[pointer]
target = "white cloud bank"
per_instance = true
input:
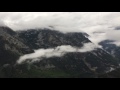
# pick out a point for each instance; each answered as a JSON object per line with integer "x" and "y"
{"x": 57, "y": 52}
{"x": 99, "y": 25}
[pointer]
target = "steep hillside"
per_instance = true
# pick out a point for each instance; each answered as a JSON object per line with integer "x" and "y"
{"x": 72, "y": 64}
{"x": 112, "y": 74}
{"x": 111, "y": 48}
{"x": 45, "y": 38}
{"x": 87, "y": 64}
{"x": 11, "y": 47}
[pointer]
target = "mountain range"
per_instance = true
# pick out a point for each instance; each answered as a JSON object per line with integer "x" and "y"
{"x": 93, "y": 64}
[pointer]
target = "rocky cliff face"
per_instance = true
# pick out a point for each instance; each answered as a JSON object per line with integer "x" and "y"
{"x": 11, "y": 47}
{"x": 45, "y": 38}
{"x": 75, "y": 64}
{"x": 79, "y": 64}
{"x": 111, "y": 48}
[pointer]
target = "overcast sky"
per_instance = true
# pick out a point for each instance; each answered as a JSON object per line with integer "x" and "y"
{"x": 99, "y": 25}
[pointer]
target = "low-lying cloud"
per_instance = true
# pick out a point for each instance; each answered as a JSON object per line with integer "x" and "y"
{"x": 2, "y": 23}
{"x": 55, "y": 52}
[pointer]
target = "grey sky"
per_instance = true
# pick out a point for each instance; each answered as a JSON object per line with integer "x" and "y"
{"x": 89, "y": 22}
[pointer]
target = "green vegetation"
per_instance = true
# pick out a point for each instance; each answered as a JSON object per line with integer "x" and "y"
{"x": 22, "y": 71}
{"x": 34, "y": 73}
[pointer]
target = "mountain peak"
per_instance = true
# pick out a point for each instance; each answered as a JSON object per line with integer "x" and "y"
{"x": 7, "y": 30}
{"x": 47, "y": 38}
